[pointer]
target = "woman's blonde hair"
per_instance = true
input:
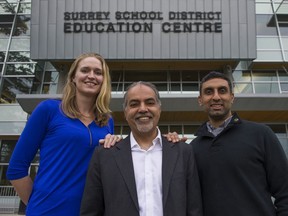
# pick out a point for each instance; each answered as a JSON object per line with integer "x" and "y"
{"x": 102, "y": 102}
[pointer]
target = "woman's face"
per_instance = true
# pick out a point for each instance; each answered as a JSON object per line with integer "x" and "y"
{"x": 88, "y": 77}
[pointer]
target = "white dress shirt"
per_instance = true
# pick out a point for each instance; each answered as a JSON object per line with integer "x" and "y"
{"x": 148, "y": 176}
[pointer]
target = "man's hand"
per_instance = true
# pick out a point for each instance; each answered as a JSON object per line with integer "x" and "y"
{"x": 109, "y": 140}
{"x": 174, "y": 137}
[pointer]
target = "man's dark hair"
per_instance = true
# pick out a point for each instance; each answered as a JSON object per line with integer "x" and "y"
{"x": 213, "y": 75}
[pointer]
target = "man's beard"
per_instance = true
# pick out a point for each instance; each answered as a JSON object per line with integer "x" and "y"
{"x": 144, "y": 128}
{"x": 220, "y": 116}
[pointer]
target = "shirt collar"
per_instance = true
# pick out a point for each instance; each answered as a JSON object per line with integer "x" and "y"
{"x": 156, "y": 141}
{"x": 222, "y": 126}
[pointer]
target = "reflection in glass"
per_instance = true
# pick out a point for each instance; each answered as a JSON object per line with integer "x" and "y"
{"x": 20, "y": 69}
{"x": 3, "y": 43}
{"x": 284, "y": 143}
{"x": 242, "y": 76}
{"x": 284, "y": 87}
{"x": 24, "y": 8}
{"x": 190, "y": 87}
{"x": 283, "y": 75}
{"x": 17, "y": 85}
{"x": 7, "y": 8}
{"x": 262, "y": 25}
{"x": 175, "y": 87}
{"x": 19, "y": 57}
{"x": 22, "y": 26}
{"x": 51, "y": 76}
{"x": 161, "y": 86}
{"x": 50, "y": 82}
{"x": 264, "y": 76}
{"x": 267, "y": 88}
{"x": 243, "y": 88}
{"x": 189, "y": 76}
{"x": 2, "y": 57}
{"x": 7, "y": 147}
{"x": 18, "y": 44}
{"x": 6, "y": 22}
{"x": 174, "y": 75}
{"x": 117, "y": 86}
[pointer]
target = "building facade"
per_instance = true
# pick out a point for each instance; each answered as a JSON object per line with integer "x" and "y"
{"x": 172, "y": 44}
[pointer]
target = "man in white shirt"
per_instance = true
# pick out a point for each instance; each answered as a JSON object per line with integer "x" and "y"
{"x": 144, "y": 174}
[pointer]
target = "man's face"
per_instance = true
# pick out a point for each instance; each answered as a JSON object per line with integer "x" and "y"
{"x": 142, "y": 111}
{"x": 216, "y": 99}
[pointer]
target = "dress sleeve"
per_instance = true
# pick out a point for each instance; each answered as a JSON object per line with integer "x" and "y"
{"x": 111, "y": 125}
{"x": 29, "y": 141}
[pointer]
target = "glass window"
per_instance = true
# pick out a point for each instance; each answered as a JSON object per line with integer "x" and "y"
{"x": 264, "y": 76}
{"x": 117, "y": 86}
{"x": 264, "y": 8}
{"x": 283, "y": 75}
{"x": 2, "y": 57}
{"x": 20, "y": 69}
{"x": 190, "y": 129}
{"x": 269, "y": 55}
{"x": 268, "y": 43}
{"x": 285, "y": 41}
{"x": 241, "y": 76}
{"x": 22, "y": 26}
{"x": 176, "y": 128}
{"x": 266, "y": 88}
{"x": 51, "y": 76}
{"x": 175, "y": 86}
{"x": 283, "y": 28}
{"x": 262, "y": 25}
{"x": 18, "y": 44}
{"x": 150, "y": 76}
{"x": 3, "y": 43}
{"x": 125, "y": 130}
{"x": 6, "y": 22}
{"x": 161, "y": 86}
{"x": 116, "y": 76}
{"x": 190, "y": 87}
{"x": 24, "y": 8}
{"x": 15, "y": 85}
{"x": 6, "y": 8}
{"x": 19, "y": 57}
{"x": 243, "y": 88}
{"x": 189, "y": 76}
{"x": 7, "y": 147}
{"x": 284, "y": 143}
{"x": 284, "y": 87}
{"x": 50, "y": 82}
{"x": 278, "y": 128}
{"x": 163, "y": 129}
{"x": 174, "y": 75}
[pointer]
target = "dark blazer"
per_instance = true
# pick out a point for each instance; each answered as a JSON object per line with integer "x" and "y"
{"x": 110, "y": 188}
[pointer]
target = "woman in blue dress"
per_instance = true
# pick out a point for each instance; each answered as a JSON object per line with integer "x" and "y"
{"x": 66, "y": 132}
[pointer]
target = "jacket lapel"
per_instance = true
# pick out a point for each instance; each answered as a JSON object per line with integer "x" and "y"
{"x": 123, "y": 157}
{"x": 169, "y": 158}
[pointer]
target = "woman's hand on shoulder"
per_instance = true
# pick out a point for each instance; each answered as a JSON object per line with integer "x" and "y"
{"x": 174, "y": 137}
{"x": 110, "y": 140}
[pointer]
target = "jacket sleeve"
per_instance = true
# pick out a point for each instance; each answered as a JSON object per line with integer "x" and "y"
{"x": 93, "y": 199}
{"x": 276, "y": 165}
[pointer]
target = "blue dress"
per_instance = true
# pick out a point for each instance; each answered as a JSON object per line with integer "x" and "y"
{"x": 66, "y": 146}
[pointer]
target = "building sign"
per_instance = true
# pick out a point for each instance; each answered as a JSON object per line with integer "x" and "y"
{"x": 142, "y": 21}
{"x": 144, "y": 29}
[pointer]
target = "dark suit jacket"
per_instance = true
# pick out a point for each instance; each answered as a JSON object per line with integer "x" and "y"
{"x": 110, "y": 188}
